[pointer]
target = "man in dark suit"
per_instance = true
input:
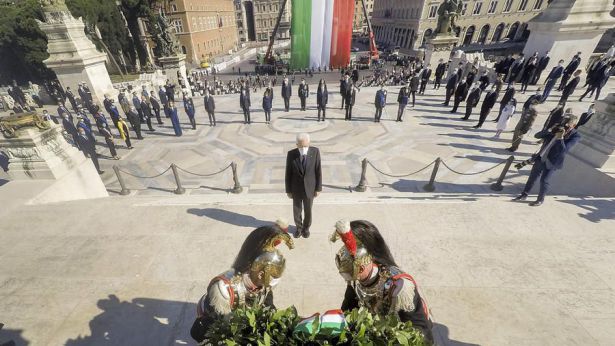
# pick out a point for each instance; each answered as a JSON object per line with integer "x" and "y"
{"x": 484, "y": 81}
{"x": 287, "y": 91}
{"x": 244, "y": 102}
{"x": 460, "y": 95}
{"x": 451, "y": 85}
{"x": 86, "y": 145}
{"x": 486, "y": 107}
{"x": 557, "y": 143}
{"x": 472, "y": 101}
{"x": 155, "y": 106}
{"x": 540, "y": 67}
{"x": 570, "y": 87}
{"x": 508, "y": 95}
{"x": 380, "y": 101}
{"x": 402, "y": 100}
{"x": 71, "y": 98}
{"x": 210, "y": 107}
{"x": 303, "y": 182}
{"x": 439, "y": 74}
{"x": 350, "y": 99}
{"x": 304, "y": 92}
{"x": 147, "y": 112}
{"x": 345, "y": 87}
{"x": 552, "y": 78}
{"x": 425, "y": 75}
{"x": 572, "y": 66}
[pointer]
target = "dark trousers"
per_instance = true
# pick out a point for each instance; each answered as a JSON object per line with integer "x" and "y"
{"x": 267, "y": 115}
{"x": 137, "y": 129}
{"x": 192, "y": 122}
{"x": 590, "y": 90}
{"x": 348, "y": 112}
{"x": 157, "y": 112}
{"x": 149, "y": 123}
{"x": 449, "y": 93}
{"x": 324, "y": 111}
{"x": 212, "y": 118}
{"x": 536, "y": 76}
{"x": 246, "y": 115}
{"x": 423, "y": 85}
{"x": 468, "y": 111}
{"x": 286, "y": 104}
{"x": 302, "y": 204}
{"x": 343, "y": 101}
{"x": 94, "y": 156}
{"x": 111, "y": 146}
{"x": 524, "y": 84}
{"x": 483, "y": 115}
{"x": 539, "y": 170}
{"x": 564, "y": 97}
{"x": 400, "y": 111}
{"x": 166, "y": 112}
{"x": 413, "y": 93}
{"x": 378, "y": 114}
{"x": 436, "y": 83}
{"x": 564, "y": 81}
{"x": 456, "y": 105}
{"x": 302, "y": 103}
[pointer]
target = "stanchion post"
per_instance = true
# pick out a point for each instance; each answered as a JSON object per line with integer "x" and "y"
{"x": 429, "y": 187}
{"x": 120, "y": 179}
{"x": 363, "y": 181}
{"x": 180, "y": 190}
{"x": 237, "y": 186}
{"x": 497, "y": 186}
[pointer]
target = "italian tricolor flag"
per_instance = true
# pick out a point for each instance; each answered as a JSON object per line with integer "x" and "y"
{"x": 321, "y": 33}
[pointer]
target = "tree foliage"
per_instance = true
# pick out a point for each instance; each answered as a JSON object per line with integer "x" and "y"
{"x": 23, "y": 46}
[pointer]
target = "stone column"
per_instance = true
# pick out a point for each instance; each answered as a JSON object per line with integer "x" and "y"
{"x": 566, "y": 27}
{"x": 172, "y": 65}
{"x": 72, "y": 56}
{"x": 439, "y": 47}
{"x": 597, "y": 145}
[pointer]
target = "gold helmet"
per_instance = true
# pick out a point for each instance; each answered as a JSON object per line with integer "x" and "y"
{"x": 259, "y": 257}
{"x": 353, "y": 255}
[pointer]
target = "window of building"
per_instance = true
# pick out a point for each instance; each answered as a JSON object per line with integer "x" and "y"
{"x": 538, "y": 4}
{"x": 173, "y": 8}
{"x": 507, "y": 5}
{"x": 464, "y": 9}
{"x": 492, "y": 6}
{"x": 523, "y": 5}
{"x": 477, "y": 7}
{"x": 433, "y": 10}
{"x": 184, "y": 50}
{"x": 179, "y": 26}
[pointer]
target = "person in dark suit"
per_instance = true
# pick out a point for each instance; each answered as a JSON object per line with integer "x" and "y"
{"x": 287, "y": 92}
{"x": 460, "y": 95}
{"x": 586, "y": 116}
{"x": 70, "y": 128}
{"x": 425, "y": 75}
{"x": 572, "y": 66}
{"x": 599, "y": 80}
{"x": 570, "y": 87}
{"x": 304, "y": 92}
{"x": 543, "y": 62}
{"x": 515, "y": 69}
{"x": 484, "y": 81}
{"x": 170, "y": 90}
{"x": 71, "y": 98}
{"x": 189, "y": 109}
{"x": 322, "y": 98}
{"x": 486, "y": 107}
{"x": 528, "y": 72}
{"x": 135, "y": 121}
{"x": 555, "y": 116}
{"x": 210, "y": 107}
{"x": 345, "y": 86}
{"x": 380, "y": 101}
{"x": 451, "y": 85}
{"x": 147, "y": 112}
{"x": 471, "y": 74}
{"x": 267, "y": 104}
{"x": 440, "y": 70}
{"x": 164, "y": 100}
{"x": 244, "y": 103}
{"x": 136, "y": 102}
{"x": 402, "y": 100}
{"x": 472, "y": 101}
{"x": 350, "y": 99}
{"x": 508, "y": 95}
{"x": 155, "y": 106}
{"x": 552, "y": 78}
{"x": 303, "y": 182}
{"x": 557, "y": 142}
{"x": 526, "y": 121}
{"x": 86, "y": 145}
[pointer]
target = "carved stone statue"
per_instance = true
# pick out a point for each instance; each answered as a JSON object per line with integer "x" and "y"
{"x": 166, "y": 42}
{"x": 448, "y": 12}
{"x": 53, "y": 5}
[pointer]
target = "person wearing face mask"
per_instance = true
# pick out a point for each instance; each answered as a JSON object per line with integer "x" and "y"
{"x": 322, "y": 98}
{"x": 374, "y": 281}
{"x": 552, "y": 78}
{"x": 304, "y": 92}
{"x": 303, "y": 182}
{"x": 287, "y": 91}
{"x": 380, "y": 101}
{"x": 210, "y": 107}
{"x": 257, "y": 269}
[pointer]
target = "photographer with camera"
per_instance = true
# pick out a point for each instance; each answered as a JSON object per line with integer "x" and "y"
{"x": 557, "y": 142}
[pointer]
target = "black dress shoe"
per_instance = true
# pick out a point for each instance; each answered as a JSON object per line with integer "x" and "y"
{"x": 521, "y": 197}
{"x": 537, "y": 203}
{"x": 306, "y": 233}
{"x": 298, "y": 233}
{"x": 511, "y": 150}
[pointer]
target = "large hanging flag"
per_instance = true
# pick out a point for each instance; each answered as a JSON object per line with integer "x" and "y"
{"x": 321, "y": 33}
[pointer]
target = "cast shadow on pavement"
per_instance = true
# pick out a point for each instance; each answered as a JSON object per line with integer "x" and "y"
{"x": 597, "y": 209}
{"x": 441, "y": 336}
{"x": 406, "y": 185}
{"x": 229, "y": 217}
{"x": 11, "y": 337}
{"x": 142, "y": 321}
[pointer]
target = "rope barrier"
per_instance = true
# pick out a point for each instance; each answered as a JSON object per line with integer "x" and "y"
{"x": 146, "y": 177}
{"x": 402, "y": 175}
{"x": 204, "y": 175}
{"x": 473, "y": 173}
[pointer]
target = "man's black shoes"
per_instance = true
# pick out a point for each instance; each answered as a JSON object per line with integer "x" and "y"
{"x": 521, "y": 197}
{"x": 298, "y": 233}
{"x": 537, "y": 203}
{"x": 306, "y": 233}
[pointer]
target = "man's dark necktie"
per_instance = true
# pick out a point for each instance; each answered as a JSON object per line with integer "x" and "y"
{"x": 304, "y": 162}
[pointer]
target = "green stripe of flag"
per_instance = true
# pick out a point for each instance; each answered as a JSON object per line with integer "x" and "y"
{"x": 300, "y": 30}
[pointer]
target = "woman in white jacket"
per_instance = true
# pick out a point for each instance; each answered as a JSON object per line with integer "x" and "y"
{"x": 507, "y": 114}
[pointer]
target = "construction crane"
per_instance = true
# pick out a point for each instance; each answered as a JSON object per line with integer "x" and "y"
{"x": 373, "y": 50}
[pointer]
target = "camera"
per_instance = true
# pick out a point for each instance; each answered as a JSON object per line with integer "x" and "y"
{"x": 529, "y": 161}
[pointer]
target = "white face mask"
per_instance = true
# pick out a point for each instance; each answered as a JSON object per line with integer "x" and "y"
{"x": 303, "y": 150}
{"x": 274, "y": 282}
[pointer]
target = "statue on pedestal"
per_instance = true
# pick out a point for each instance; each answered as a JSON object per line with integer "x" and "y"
{"x": 166, "y": 42}
{"x": 448, "y": 12}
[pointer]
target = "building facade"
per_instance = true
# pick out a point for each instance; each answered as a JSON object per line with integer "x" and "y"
{"x": 408, "y": 23}
{"x": 256, "y": 19}
{"x": 205, "y": 29}
{"x": 359, "y": 24}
